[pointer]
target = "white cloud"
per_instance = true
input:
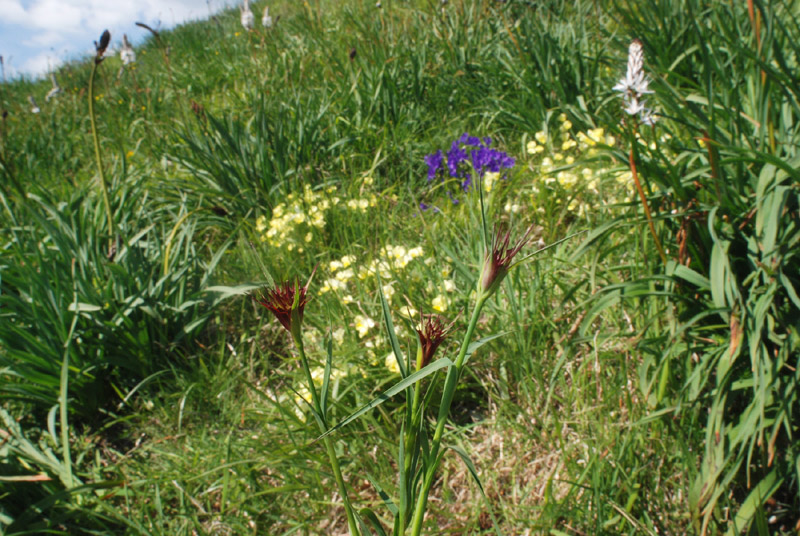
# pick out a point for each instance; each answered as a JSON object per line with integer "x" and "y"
{"x": 56, "y": 29}
{"x": 40, "y": 63}
{"x": 12, "y": 11}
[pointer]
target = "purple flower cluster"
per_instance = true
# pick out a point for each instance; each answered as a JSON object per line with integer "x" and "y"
{"x": 464, "y": 151}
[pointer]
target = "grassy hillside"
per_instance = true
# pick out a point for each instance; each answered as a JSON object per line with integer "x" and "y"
{"x": 637, "y": 375}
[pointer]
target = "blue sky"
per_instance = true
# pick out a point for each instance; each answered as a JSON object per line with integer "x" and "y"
{"x": 38, "y": 35}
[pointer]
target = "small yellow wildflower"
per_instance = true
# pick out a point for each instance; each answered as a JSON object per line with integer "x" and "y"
{"x": 363, "y": 324}
{"x": 391, "y": 363}
{"x": 534, "y": 148}
{"x": 440, "y": 303}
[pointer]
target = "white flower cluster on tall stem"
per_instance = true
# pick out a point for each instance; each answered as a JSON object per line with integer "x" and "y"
{"x": 55, "y": 90}
{"x": 634, "y": 86}
{"x": 248, "y": 19}
{"x": 34, "y": 108}
{"x": 126, "y": 53}
{"x": 266, "y": 19}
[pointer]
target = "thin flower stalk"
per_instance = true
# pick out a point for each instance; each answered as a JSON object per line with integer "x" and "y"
{"x": 634, "y": 86}
{"x": 431, "y": 333}
{"x": 450, "y": 383}
{"x": 287, "y": 302}
{"x": 499, "y": 259}
{"x": 101, "y": 48}
{"x": 646, "y": 207}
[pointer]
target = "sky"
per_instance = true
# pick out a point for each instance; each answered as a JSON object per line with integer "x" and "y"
{"x": 36, "y": 36}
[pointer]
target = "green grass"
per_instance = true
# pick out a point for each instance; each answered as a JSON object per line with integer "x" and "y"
{"x": 628, "y": 397}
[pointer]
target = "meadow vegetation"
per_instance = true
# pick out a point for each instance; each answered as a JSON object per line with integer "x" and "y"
{"x": 354, "y": 169}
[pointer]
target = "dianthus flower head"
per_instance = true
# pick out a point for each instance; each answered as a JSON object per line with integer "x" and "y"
{"x": 498, "y": 259}
{"x": 432, "y": 331}
{"x": 287, "y": 302}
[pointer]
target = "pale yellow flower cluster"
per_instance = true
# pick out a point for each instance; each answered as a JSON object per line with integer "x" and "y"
{"x": 295, "y": 221}
{"x": 391, "y": 260}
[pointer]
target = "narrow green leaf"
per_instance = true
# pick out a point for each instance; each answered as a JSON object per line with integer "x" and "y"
{"x": 373, "y": 521}
{"x": 83, "y": 308}
{"x": 387, "y": 500}
{"x": 755, "y": 501}
{"x": 326, "y": 377}
{"x": 472, "y": 471}
{"x": 387, "y": 320}
{"x": 396, "y": 388}
{"x": 691, "y": 276}
{"x": 473, "y": 346}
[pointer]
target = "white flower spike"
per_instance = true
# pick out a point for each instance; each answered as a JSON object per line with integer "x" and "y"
{"x": 634, "y": 85}
{"x": 34, "y": 108}
{"x": 55, "y": 90}
{"x": 248, "y": 19}
{"x": 126, "y": 53}
{"x": 266, "y": 20}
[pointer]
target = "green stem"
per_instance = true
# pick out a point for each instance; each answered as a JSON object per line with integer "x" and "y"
{"x": 444, "y": 411}
{"x": 321, "y": 422}
{"x": 97, "y": 155}
{"x": 410, "y": 444}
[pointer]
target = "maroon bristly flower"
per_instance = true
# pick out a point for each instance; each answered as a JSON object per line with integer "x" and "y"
{"x": 498, "y": 260}
{"x": 287, "y": 302}
{"x": 432, "y": 332}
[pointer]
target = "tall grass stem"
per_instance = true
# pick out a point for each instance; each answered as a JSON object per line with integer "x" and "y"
{"x": 97, "y": 152}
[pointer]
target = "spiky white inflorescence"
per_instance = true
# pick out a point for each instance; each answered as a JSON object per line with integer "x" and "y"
{"x": 266, "y": 20}
{"x": 248, "y": 19}
{"x": 55, "y": 90}
{"x": 635, "y": 85}
{"x": 126, "y": 53}
{"x": 34, "y": 108}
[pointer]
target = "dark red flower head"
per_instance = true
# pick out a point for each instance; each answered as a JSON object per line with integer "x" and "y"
{"x": 432, "y": 332}
{"x": 281, "y": 301}
{"x": 498, "y": 260}
{"x": 287, "y": 302}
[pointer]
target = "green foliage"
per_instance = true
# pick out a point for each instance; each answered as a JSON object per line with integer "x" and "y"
{"x": 135, "y": 307}
{"x": 627, "y": 397}
{"x": 728, "y": 206}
